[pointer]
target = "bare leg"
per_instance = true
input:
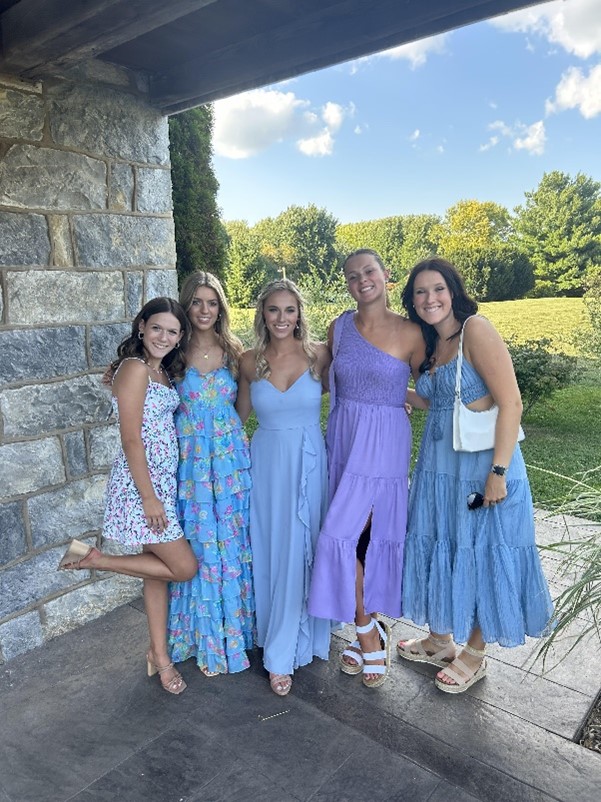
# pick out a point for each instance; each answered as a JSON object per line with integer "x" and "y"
{"x": 471, "y": 661}
{"x": 156, "y": 604}
{"x": 169, "y": 562}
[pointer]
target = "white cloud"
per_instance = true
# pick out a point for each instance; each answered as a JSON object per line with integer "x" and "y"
{"x": 249, "y": 123}
{"x": 531, "y": 138}
{"x": 320, "y": 145}
{"x": 578, "y": 91}
{"x": 417, "y": 52}
{"x": 414, "y": 136}
{"x": 574, "y": 25}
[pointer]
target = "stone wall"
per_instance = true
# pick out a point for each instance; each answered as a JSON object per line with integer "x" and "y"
{"x": 86, "y": 236}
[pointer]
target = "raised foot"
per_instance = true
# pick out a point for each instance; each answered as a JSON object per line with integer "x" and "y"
{"x": 73, "y": 559}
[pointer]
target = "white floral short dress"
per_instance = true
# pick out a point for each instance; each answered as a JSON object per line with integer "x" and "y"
{"x": 124, "y": 518}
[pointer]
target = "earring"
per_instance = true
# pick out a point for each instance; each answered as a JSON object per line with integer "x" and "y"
{"x": 140, "y": 335}
{"x": 297, "y": 327}
{"x": 177, "y": 345}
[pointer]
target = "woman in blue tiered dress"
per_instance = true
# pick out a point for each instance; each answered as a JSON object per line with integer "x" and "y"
{"x": 211, "y": 617}
{"x": 473, "y": 575}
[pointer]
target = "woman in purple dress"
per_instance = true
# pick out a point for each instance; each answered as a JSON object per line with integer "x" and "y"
{"x": 359, "y": 561}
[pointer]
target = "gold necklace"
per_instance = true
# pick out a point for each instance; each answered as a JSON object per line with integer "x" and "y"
{"x": 158, "y": 370}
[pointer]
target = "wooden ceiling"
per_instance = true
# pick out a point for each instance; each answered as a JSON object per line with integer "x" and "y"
{"x": 196, "y": 51}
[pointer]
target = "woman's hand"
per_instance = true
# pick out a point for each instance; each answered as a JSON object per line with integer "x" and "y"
{"x": 495, "y": 490}
{"x": 155, "y": 514}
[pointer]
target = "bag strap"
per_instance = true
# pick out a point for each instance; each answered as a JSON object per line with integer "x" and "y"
{"x": 460, "y": 360}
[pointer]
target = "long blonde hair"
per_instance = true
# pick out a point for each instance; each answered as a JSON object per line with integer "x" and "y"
{"x": 231, "y": 345}
{"x": 301, "y": 330}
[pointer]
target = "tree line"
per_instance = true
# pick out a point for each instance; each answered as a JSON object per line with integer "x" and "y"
{"x": 548, "y": 246}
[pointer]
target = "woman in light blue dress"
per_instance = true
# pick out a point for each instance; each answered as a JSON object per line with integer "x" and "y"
{"x": 473, "y": 574}
{"x": 281, "y": 379}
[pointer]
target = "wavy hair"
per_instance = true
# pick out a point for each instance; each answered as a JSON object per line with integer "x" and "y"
{"x": 301, "y": 330}
{"x": 462, "y": 305}
{"x": 231, "y": 345}
{"x": 132, "y": 346}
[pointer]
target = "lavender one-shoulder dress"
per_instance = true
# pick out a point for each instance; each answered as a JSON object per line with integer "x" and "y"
{"x": 369, "y": 442}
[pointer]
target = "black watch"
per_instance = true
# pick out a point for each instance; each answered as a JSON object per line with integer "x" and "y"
{"x": 499, "y": 470}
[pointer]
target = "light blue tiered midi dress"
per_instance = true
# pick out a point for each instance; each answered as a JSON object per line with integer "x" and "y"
{"x": 211, "y": 617}
{"x": 467, "y": 568}
{"x": 288, "y": 501}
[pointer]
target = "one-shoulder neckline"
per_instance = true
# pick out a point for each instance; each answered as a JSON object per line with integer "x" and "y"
{"x": 295, "y": 382}
{"x": 379, "y": 350}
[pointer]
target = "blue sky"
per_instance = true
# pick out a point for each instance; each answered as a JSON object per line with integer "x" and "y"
{"x": 479, "y": 113}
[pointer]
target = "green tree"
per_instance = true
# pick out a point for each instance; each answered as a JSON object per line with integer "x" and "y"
{"x": 559, "y": 229}
{"x": 199, "y": 236}
{"x": 301, "y": 241}
{"x": 246, "y": 267}
{"x": 420, "y": 240}
{"x": 472, "y": 225}
{"x": 384, "y": 236}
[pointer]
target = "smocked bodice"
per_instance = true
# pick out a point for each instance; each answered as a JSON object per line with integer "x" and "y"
{"x": 364, "y": 373}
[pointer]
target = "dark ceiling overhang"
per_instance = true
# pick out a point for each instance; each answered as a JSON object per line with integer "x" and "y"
{"x": 196, "y": 51}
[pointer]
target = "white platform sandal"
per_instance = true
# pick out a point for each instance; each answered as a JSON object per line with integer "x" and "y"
{"x": 383, "y": 654}
{"x": 354, "y": 652}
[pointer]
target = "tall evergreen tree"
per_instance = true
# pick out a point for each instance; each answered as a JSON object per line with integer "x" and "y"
{"x": 199, "y": 236}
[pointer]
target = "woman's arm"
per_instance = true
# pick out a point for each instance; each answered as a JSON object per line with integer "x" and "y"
{"x": 416, "y": 400}
{"x": 487, "y": 352}
{"x": 324, "y": 360}
{"x": 129, "y": 388}
{"x": 247, "y": 371}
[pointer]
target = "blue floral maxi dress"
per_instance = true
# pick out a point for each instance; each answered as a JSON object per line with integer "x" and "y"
{"x": 211, "y": 617}
{"x": 468, "y": 568}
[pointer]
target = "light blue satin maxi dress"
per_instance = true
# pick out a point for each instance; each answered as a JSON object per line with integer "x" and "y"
{"x": 287, "y": 505}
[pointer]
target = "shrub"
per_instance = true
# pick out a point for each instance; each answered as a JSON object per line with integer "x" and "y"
{"x": 539, "y": 372}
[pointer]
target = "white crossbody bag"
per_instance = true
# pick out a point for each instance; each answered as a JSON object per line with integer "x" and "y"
{"x": 473, "y": 431}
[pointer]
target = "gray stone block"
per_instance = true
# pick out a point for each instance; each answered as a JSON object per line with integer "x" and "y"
{"x": 24, "y": 239}
{"x": 20, "y": 635}
{"x": 109, "y": 122}
{"x": 30, "y": 581}
{"x": 58, "y": 296}
{"x": 71, "y": 511}
{"x": 75, "y": 447}
{"x": 30, "y": 466}
{"x": 88, "y": 602}
{"x": 153, "y": 190}
{"x": 12, "y": 531}
{"x": 134, "y": 281}
{"x": 43, "y": 178}
{"x": 41, "y": 408}
{"x": 112, "y": 240}
{"x": 42, "y": 353}
{"x": 122, "y": 188}
{"x": 22, "y": 115}
{"x": 161, "y": 282}
{"x": 60, "y": 236}
{"x": 104, "y": 341}
{"x": 104, "y": 443}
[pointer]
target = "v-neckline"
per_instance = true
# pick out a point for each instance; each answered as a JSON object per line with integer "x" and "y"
{"x": 296, "y": 381}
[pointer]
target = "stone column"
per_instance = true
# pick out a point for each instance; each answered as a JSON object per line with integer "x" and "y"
{"x": 86, "y": 236}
